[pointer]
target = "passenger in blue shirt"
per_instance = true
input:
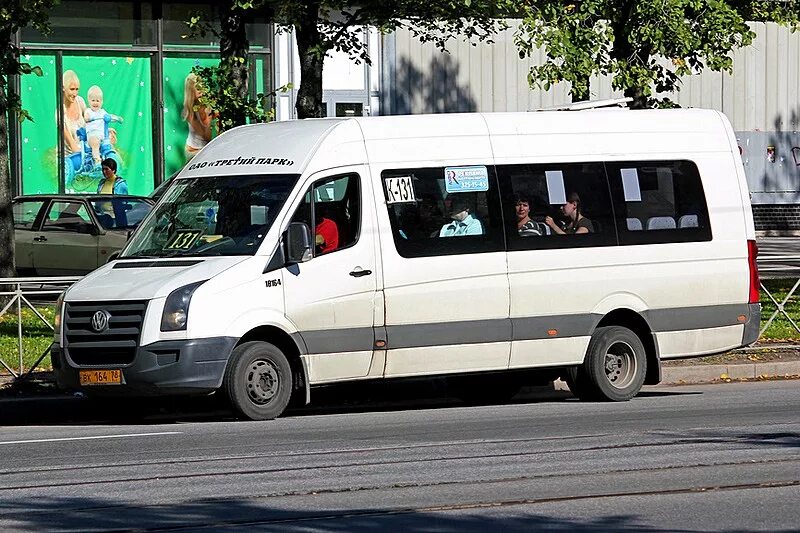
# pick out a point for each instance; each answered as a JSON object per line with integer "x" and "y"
{"x": 463, "y": 222}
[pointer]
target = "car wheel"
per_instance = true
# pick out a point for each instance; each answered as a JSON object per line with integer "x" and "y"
{"x": 614, "y": 368}
{"x": 258, "y": 380}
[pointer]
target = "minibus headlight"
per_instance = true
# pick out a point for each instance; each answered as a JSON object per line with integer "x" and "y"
{"x": 57, "y": 319}
{"x": 176, "y": 308}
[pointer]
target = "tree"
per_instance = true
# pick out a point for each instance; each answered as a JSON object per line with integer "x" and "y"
{"x": 14, "y": 14}
{"x": 225, "y": 87}
{"x": 322, "y": 26}
{"x": 644, "y": 45}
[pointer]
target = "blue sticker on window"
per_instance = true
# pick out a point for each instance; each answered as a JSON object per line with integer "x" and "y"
{"x": 466, "y": 179}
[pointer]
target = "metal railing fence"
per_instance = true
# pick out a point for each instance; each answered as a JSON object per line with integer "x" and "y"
{"x": 22, "y": 293}
{"x": 779, "y": 267}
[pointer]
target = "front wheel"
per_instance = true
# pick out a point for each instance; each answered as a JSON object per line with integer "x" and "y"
{"x": 258, "y": 380}
{"x": 615, "y": 366}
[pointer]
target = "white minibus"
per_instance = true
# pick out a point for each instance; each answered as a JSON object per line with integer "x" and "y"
{"x": 493, "y": 248}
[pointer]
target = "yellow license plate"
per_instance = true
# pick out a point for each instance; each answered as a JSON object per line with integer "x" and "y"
{"x": 101, "y": 377}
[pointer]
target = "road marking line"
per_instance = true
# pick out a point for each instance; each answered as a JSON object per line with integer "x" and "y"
{"x": 92, "y": 438}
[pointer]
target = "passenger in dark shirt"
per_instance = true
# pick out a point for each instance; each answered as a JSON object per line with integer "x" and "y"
{"x": 577, "y": 223}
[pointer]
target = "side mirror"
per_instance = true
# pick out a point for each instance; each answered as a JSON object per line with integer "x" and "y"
{"x": 297, "y": 240}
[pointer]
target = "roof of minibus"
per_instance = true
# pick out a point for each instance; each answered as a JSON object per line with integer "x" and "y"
{"x": 288, "y": 147}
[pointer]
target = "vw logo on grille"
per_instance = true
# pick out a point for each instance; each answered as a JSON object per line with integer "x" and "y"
{"x": 100, "y": 321}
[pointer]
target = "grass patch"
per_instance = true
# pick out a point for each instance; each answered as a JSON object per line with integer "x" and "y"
{"x": 37, "y": 336}
{"x": 780, "y": 329}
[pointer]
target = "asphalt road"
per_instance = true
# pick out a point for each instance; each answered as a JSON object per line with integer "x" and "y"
{"x": 699, "y": 458}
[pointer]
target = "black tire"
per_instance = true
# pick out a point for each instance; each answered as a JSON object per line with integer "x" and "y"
{"x": 576, "y": 380}
{"x": 258, "y": 381}
{"x": 614, "y": 368}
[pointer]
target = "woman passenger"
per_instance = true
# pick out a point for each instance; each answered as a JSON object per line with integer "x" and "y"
{"x": 576, "y": 222}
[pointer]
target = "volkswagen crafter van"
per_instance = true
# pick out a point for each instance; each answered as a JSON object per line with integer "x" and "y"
{"x": 501, "y": 248}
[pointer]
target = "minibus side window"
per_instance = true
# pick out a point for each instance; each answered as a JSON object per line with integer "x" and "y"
{"x": 659, "y": 202}
{"x": 444, "y": 210}
{"x": 331, "y": 207}
{"x": 557, "y": 205}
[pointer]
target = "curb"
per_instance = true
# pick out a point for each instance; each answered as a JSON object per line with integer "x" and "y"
{"x": 683, "y": 375}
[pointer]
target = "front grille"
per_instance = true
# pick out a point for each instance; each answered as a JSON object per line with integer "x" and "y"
{"x": 116, "y": 345}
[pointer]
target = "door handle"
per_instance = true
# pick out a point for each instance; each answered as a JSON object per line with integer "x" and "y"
{"x": 40, "y": 238}
{"x": 357, "y": 272}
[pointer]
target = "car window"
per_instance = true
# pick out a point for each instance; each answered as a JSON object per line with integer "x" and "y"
{"x": 336, "y": 212}
{"x": 25, "y": 212}
{"x": 120, "y": 213}
{"x": 68, "y": 216}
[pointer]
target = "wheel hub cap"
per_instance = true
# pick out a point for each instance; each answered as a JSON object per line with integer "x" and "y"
{"x": 620, "y": 365}
{"x": 262, "y": 381}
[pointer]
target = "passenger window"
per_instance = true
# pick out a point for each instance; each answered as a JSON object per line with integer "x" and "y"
{"x": 332, "y": 209}
{"x": 659, "y": 201}
{"x": 68, "y": 216}
{"x": 443, "y": 210}
{"x": 25, "y": 213}
{"x": 559, "y": 205}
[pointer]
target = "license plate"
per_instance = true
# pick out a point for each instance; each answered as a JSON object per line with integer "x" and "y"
{"x": 101, "y": 377}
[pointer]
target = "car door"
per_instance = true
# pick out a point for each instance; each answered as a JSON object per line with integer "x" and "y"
{"x": 26, "y": 214}
{"x": 331, "y": 298}
{"x": 66, "y": 244}
{"x": 444, "y": 271}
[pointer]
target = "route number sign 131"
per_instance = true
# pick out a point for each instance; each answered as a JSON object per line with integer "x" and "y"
{"x": 399, "y": 190}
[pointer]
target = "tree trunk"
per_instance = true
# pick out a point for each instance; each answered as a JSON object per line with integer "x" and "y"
{"x": 623, "y": 51}
{"x": 309, "y": 45}
{"x": 7, "y": 267}
{"x": 639, "y": 98}
{"x": 233, "y": 49}
{"x": 578, "y": 93}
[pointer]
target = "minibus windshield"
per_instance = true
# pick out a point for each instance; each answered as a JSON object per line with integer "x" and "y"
{"x": 205, "y": 216}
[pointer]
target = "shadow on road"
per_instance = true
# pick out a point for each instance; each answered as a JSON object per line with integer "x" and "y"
{"x": 48, "y": 407}
{"x": 76, "y": 514}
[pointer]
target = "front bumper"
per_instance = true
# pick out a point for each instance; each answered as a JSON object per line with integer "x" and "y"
{"x": 192, "y": 366}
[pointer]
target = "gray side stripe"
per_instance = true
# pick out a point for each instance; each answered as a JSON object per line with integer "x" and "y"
{"x": 339, "y": 340}
{"x": 505, "y": 330}
{"x": 446, "y": 333}
{"x": 526, "y": 329}
{"x": 683, "y": 318}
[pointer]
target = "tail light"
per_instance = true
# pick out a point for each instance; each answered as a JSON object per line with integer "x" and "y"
{"x": 752, "y": 254}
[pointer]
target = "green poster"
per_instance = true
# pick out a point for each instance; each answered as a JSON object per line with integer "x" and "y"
{"x": 111, "y": 117}
{"x": 187, "y": 127}
{"x": 38, "y": 138}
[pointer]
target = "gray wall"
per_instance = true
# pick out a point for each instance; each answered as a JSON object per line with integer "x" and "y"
{"x": 761, "y": 97}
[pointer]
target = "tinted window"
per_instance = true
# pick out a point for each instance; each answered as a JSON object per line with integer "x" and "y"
{"x": 25, "y": 213}
{"x": 433, "y": 216}
{"x": 557, "y": 205}
{"x": 332, "y": 207}
{"x": 659, "y": 201}
{"x": 68, "y": 216}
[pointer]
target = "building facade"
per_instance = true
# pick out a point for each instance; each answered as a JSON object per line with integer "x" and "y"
{"x": 141, "y": 65}
{"x": 133, "y": 60}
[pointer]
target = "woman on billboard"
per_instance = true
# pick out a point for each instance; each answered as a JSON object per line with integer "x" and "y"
{"x": 197, "y": 116}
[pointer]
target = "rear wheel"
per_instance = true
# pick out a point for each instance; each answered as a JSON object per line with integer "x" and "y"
{"x": 614, "y": 368}
{"x": 258, "y": 380}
